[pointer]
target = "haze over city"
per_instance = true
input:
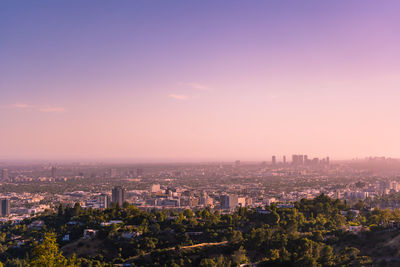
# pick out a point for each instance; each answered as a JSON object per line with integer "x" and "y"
{"x": 207, "y": 80}
{"x": 206, "y": 133}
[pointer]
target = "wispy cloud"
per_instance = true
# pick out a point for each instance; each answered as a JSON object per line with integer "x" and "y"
{"x": 197, "y": 86}
{"x": 189, "y": 89}
{"x": 52, "y": 109}
{"x": 22, "y": 106}
{"x": 39, "y": 108}
{"x": 178, "y": 96}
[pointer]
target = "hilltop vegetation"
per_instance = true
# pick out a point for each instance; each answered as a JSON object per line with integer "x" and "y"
{"x": 318, "y": 232}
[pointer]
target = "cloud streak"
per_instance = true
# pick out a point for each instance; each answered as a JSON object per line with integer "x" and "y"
{"x": 178, "y": 96}
{"x": 52, "y": 109}
{"x": 39, "y": 108}
{"x": 22, "y": 106}
{"x": 190, "y": 86}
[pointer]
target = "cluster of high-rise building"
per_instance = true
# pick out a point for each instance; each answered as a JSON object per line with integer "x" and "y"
{"x": 104, "y": 200}
{"x": 132, "y": 173}
{"x": 302, "y": 160}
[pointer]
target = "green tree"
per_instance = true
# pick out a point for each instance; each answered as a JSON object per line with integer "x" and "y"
{"x": 188, "y": 213}
{"x": 125, "y": 205}
{"x": 208, "y": 263}
{"x": 272, "y": 255}
{"x": 273, "y": 218}
{"x": 47, "y": 253}
{"x": 239, "y": 257}
{"x": 77, "y": 209}
{"x": 327, "y": 257}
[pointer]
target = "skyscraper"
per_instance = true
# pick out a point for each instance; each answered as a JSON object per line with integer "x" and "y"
{"x": 284, "y": 160}
{"x": 118, "y": 195}
{"x": 301, "y": 159}
{"x": 229, "y": 201}
{"x": 295, "y": 160}
{"x": 273, "y": 160}
{"x": 5, "y": 207}
{"x": 104, "y": 201}
{"x": 4, "y": 174}
{"x": 53, "y": 172}
{"x": 298, "y": 159}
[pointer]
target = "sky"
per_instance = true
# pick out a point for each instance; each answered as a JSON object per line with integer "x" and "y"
{"x": 199, "y": 80}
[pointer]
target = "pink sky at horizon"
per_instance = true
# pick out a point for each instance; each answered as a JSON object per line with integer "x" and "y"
{"x": 188, "y": 82}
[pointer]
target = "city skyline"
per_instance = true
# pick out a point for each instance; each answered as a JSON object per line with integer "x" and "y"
{"x": 174, "y": 81}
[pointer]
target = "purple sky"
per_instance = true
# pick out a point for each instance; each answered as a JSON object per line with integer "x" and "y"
{"x": 199, "y": 80}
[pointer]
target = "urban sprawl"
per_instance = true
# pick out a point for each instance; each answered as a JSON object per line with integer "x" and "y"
{"x": 29, "y": 189}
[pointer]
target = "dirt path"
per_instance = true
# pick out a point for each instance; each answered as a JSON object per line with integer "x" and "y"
{"x": 181, "y": 248}
{"x": 203, "y": 245}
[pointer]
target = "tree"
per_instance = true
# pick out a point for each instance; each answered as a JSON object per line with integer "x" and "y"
{"x": 239, "y": 256}
{"x": 47, "y": 253}
{"x": 272, "y": 255}
{"x": 77, "y": 209}
{"x": 60, "y": 210}
{"x": 207, "y": 263}
{"x": 359, "y": 205}
{"x": 273, "y": 218}
{"x": 236, "y": 237}
{"x": 73, "y": 261}
{"x": 317, "y": 235}
{"x": 188, "y": 213}
{"x": 327, "y": 257}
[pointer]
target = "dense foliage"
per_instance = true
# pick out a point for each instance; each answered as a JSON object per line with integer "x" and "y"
{"x": 318, "y": 232}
